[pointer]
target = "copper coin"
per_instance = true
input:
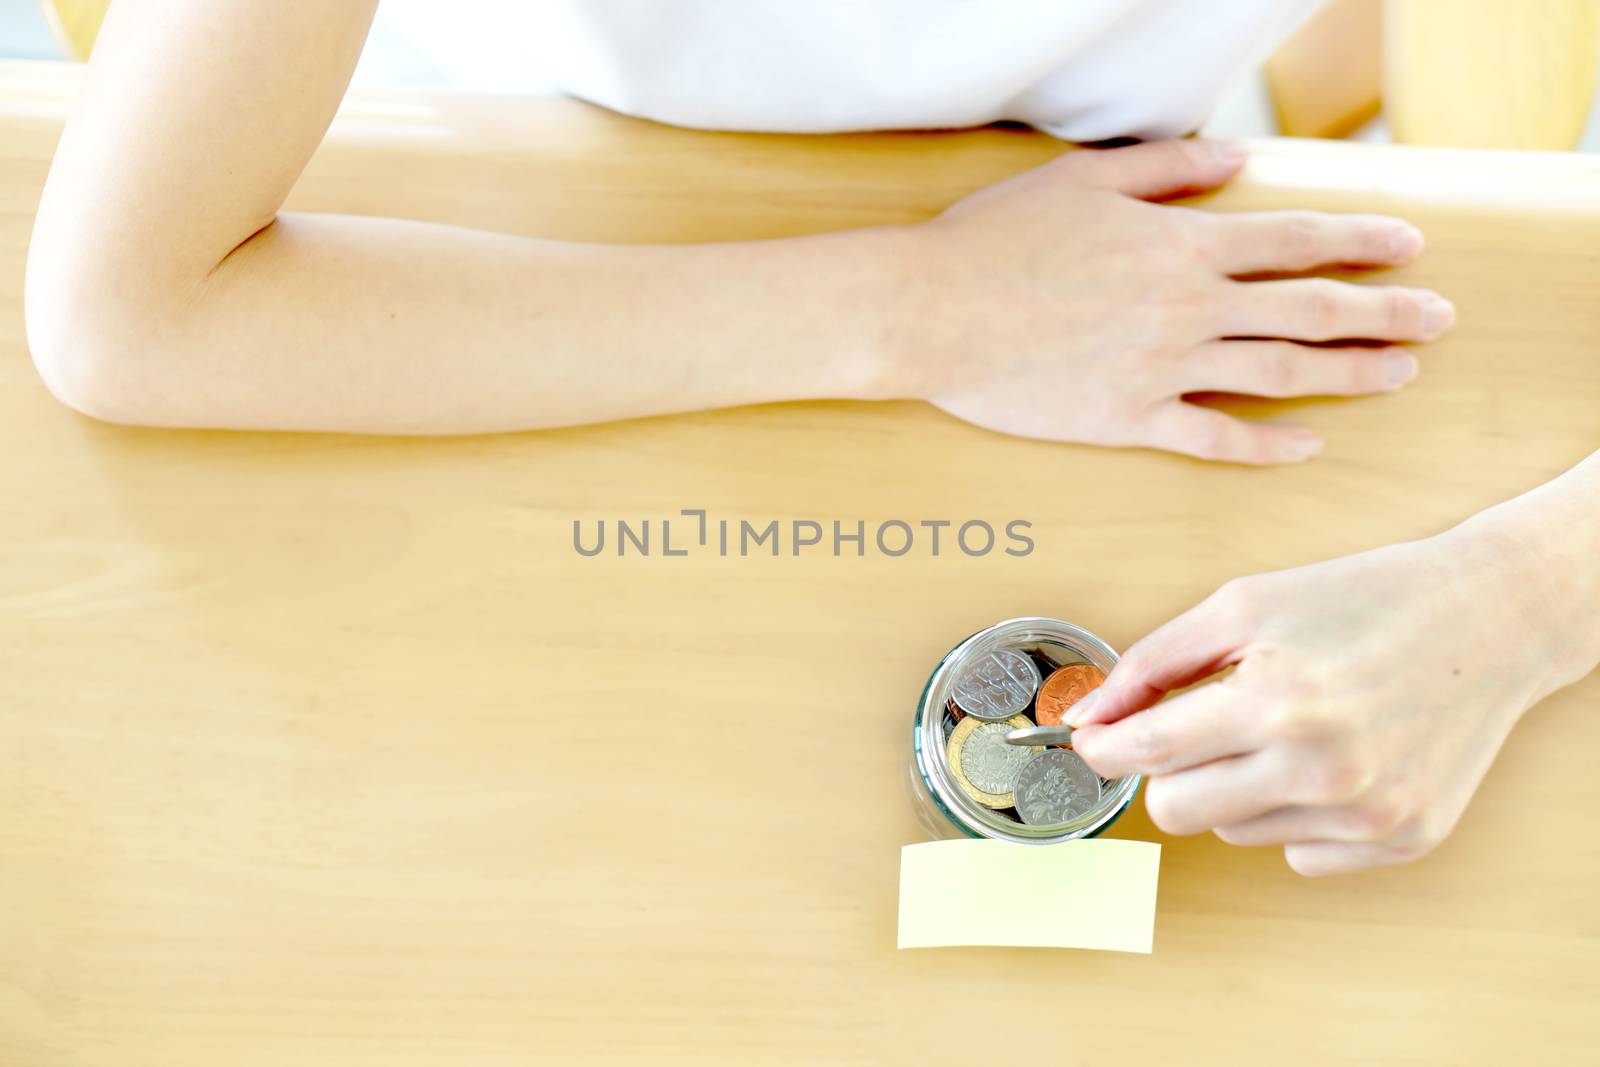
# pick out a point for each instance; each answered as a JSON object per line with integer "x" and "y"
{"x": 1063, "y": 689}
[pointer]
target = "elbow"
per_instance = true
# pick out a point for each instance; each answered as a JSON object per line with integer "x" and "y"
{"x": 93, "y": 348}
{"x": 76, "y": 371}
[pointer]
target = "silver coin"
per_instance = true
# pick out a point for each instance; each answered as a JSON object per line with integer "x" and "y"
{"x": 998, "y": 685}
{"x": 1040, "y": 735}
{"x": 1055, "y": 786}
{"x": 989, "y": 762}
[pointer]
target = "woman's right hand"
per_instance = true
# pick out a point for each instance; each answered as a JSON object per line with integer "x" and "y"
{"x": 1063, "y": 304}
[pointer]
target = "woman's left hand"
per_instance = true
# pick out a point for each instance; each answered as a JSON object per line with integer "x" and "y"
{"x": 1369, "y": 694}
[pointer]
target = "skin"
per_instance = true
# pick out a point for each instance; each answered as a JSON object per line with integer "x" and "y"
{"x": 998, "y": 312}
{"x": 1368, "y": 694}
{"x": 166, "y": 287}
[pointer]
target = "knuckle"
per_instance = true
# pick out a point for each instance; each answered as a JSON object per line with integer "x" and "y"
{"x": 1191, "y": 153}
{"x": 1321, "y": 309}
{"x": 1363, "y": 373}
{"x": 1177, "y": 309}
{"x": 1315, "y": 681}
{"x": 1377, "y": 241}
{"x": 1163, "y": 808}
{"x": 1415, "y": 852}
{"x": 1379, "y": 817}
{"x": 1408, "y": 849}
{"x": 1208, "y": 442}
{"x": 1184, "y": 301}
{"x": 1234, "y": 599}
{"x": 1329, "y": 779}
{"x": 1422, "y": 832}
{"x": 1292, "y": 720}
{"x": 1185, "y": 235}
{"x": 1302, "y": 712}
{"x": 1240, "y": 603}
{"x": 1301, "y": 240}
{"x": 1136, "y": 661}
{"x": 1077, "y": 166}
{"x": 1402, "y": 312}
{"x": 1280, "y": 371}
{"x": 1150, "y": 751}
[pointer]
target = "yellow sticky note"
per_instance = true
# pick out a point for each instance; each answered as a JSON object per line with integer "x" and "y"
{"x": 1075, "y": 894}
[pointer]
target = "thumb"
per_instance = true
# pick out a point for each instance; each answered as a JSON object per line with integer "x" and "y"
{"x": 1195, "y": 645}
{"x": 1157, "y": 170}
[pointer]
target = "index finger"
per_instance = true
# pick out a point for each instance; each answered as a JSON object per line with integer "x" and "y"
{"x": 1261, "y": 241}
{"x": 1189, "y": 730}
{"x": 1195, "y": 645}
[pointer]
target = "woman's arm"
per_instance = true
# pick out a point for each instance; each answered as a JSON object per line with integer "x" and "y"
{"x": 165, "y": 287}
{"x": 1370, "y": 694}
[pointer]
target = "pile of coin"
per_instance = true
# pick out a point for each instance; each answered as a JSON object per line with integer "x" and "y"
{"x": 1004, "y": 691}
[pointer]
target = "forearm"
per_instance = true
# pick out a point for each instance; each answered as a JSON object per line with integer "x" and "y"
{"x": 343, "y": 323}
{"x": 165, "y": 287}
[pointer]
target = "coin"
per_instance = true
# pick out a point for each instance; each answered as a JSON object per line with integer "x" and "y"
{"x": 948, "y": 724}
{"x": 1044, "y": 662}
{"x": 1063, "y": 689}
{"x": 984, "y": 765}
{"x": 1055, "y": 786}
{"x": 997, "y": 685}
{"x": 1060, "y": 736}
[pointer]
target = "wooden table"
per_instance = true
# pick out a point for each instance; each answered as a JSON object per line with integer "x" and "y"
{"x": 320, "y": 749}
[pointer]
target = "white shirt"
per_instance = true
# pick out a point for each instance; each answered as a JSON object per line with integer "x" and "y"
{"x": 1085, "y": 70}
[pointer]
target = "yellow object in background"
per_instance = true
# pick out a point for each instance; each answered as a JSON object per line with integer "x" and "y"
{"x": 1490, "y": 74}
{"x": 1327, "y": 79}
{"x": 75, "y": 24}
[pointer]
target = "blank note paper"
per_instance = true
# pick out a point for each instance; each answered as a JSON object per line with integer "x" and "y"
{"x": 1075, "y": 894}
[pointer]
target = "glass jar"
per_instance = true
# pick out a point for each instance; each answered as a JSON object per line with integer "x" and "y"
{"x": 942, "y": 805}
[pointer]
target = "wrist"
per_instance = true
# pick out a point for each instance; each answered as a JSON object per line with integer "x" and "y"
{"x": 903, "y": 358}
{"x": 1537, "y": 559}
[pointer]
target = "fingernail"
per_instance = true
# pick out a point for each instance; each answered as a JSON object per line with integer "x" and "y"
{"x": 1405, "y": 242}
{"x": 1229, "y": 151}
{"x": 1400, "y": 369}
{"x": 1438, "y": 315}
{"x": 1080, "y": 711}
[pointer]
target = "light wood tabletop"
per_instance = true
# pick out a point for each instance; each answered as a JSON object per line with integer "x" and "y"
{"x": 322, "y": 749}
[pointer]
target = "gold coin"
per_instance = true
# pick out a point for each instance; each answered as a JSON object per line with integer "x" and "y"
{"x": 994, "y": 758}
